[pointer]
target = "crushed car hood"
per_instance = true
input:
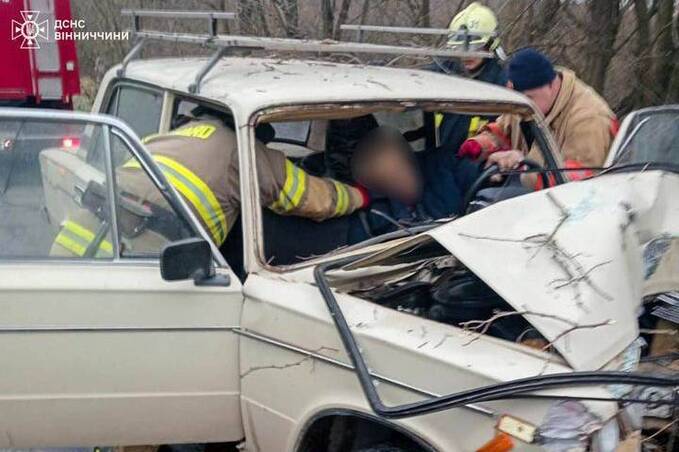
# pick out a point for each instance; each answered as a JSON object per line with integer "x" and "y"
{"x": 572, "y": 257}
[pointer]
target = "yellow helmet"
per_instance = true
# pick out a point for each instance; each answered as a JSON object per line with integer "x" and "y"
{"x": 474, "y": 27}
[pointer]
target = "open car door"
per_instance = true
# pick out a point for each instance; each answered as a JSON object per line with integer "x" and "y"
{"x": 97, "y": 348}
{"x": 647, "y": 136}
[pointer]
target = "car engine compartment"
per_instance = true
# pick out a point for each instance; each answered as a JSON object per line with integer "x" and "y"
{"x": 430, "y": 283}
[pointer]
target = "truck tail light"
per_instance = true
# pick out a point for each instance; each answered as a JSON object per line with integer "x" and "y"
{"x": 70, "y": 143}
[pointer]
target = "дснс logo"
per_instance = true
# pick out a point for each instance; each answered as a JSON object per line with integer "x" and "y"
{"x": 30, "y": 30}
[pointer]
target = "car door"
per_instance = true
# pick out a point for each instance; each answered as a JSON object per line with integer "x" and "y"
{"x": 98, "y": 349}
{"x": 649, "y": 135}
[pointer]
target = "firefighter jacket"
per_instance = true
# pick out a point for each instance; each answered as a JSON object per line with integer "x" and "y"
{"x": 580, "y": 120}
{"x": 200, "y": 160}
{"x": 454, "y": 128}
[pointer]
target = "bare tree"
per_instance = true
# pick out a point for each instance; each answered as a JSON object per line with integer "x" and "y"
{"x": 628, "y": 50}
{"x": 252, "y": 18}
{"x": 667, "y": 50}
{"x": 604, "y": 21}
{"x": 287, "y": 12}
{"x": 327, "y": 18}
{"x": 341, "y": 17}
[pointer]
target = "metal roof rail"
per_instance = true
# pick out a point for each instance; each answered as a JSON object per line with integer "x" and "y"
{"x": 359, "y": 29}
{"x": 227, "y": 43}
{"x": 136, "y": 14}
{"x": 211, "y": 16}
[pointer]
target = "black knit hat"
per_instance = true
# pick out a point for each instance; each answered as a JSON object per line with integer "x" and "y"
{"x": 530, "y": 69}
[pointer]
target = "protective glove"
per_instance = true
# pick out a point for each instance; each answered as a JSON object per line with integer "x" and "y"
{"x": 470, "y": 148}
{"x": 490, "y": 139}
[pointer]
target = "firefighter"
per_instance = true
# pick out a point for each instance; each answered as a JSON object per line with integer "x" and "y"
{"x": 200, "y": 160}
{"x": 580, "y": 120}
{"x": 475, "y": 29}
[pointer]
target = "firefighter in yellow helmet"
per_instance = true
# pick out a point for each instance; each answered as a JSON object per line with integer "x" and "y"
{"x": 200, "y": 160}
{"x": 475, "y": 29}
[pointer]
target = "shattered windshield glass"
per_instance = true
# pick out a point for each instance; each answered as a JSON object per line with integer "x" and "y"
{"x": 652, "y": 136}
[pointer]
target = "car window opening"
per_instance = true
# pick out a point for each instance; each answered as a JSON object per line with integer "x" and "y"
{"x": 321, "y": 141}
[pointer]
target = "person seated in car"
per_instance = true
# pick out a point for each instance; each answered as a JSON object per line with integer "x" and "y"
{"x": 408, "y": 186}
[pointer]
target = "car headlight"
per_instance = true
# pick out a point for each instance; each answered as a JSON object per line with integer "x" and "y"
{"x": 569, "y": 426}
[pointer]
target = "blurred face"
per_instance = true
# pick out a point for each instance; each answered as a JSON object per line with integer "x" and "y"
{"x": 390, "y": 172}
{"x": 545, "y": 96}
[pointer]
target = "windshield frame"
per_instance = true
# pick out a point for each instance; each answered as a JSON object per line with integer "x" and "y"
{"x": 286, "y": 112}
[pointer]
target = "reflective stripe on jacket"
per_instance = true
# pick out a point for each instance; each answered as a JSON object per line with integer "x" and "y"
{"x": 76, "y": 238}
{"x": 200, "y": 160}
{"x": 197, "y": 193}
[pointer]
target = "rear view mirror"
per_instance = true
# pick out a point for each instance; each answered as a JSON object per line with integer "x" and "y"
{"x": 186, "y": 259}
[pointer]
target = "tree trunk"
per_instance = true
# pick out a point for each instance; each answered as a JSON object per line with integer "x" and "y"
{"x": 364, "y": 17}
{"x": 673, "y": 89}
{"x": 425, "y": 11}
{"x": 666, "y": 53}
{"x": 341, "y": 18}
{"x": 327, "y": 19}
{"x": 641, "y": 97}
{"x": 604, "y": 21}
{"x": 288, "y": 14}
{"x": 547, "y": 14}
{"x": 252, "y": 18}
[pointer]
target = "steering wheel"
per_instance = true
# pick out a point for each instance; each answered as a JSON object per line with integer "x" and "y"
{"x": 492, "y": 171}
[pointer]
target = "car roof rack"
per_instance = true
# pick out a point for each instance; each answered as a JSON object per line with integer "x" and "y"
{"x": 359, "y": 29}
{"x": 224, "y": 44}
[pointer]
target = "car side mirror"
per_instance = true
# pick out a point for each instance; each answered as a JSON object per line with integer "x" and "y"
{"x": 186, "y": 259}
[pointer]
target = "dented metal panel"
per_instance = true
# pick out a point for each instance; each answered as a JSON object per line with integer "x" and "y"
{"x": 572, "y": 258}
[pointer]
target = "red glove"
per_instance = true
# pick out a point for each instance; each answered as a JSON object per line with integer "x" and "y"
{"x": 470, "y": 148}
{"x": 365, "y": 196}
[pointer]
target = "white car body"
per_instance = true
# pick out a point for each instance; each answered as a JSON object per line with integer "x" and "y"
{"x": 109, "y": 353}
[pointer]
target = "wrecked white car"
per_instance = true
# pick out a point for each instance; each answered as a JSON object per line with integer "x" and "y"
{"x": 328, "y": 349}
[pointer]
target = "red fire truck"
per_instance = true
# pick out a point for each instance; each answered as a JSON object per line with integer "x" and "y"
{"x": 38, "y": 70}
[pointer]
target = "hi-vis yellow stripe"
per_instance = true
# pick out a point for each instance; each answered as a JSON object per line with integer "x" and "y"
{"x": 293, "y": 189}
{"x": 77, "y": 239}
{"x": 197, "y": 192}
{"x": 342, "y": 199}
{"x": 438, "y": 119}
{"x": 202, "y": 131}
{"x": 475, "y": 125}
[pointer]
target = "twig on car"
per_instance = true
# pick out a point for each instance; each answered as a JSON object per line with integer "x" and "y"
{"x": 577, "y": 327}
{"x": 481, "y": 327}
{"x": 565, "y": 215}
{"x": 574, "y": 272}
{"x": 308, "y": 357}
{"x": 559, "y": 283}
{"x": 658, "y": 432}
